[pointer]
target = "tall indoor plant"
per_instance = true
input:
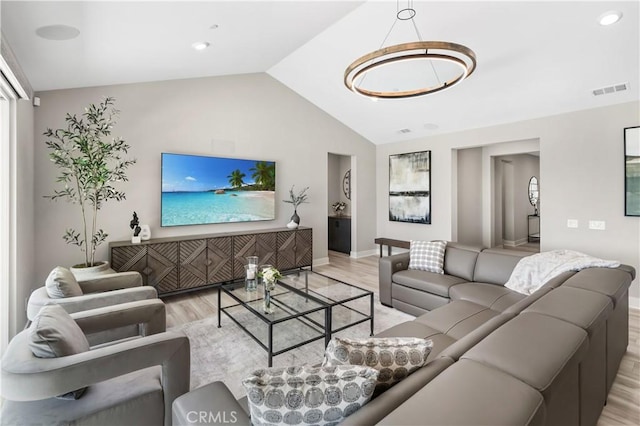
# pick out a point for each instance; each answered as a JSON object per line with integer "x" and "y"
{"x": 90, "y": 163}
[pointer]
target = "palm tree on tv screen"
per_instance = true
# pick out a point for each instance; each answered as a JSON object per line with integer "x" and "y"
{"x": 264, "y": 175}
{"x": 235, "y": 178}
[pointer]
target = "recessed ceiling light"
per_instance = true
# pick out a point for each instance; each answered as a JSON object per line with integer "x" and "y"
{"x": 430, "y": 126}
{"x": 214, "y": 27}
{"x": 610, "y": 17}
{"x": 58, "y": 32}
{"x": 200, "y": 45}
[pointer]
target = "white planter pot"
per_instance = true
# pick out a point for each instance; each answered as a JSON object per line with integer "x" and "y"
{"x": 83, "y": 273}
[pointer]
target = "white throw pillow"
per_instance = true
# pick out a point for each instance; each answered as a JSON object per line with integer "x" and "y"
{"x": 394, "y": 357}
{"x": 427, "y": 256}
{"x": 62, "y": 283}
{"x": 308, "y": 395}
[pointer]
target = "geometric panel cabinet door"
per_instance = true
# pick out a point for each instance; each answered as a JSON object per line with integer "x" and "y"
{"x": 266, "y": 248}
{"x": 193, "y": 263}
{"x": 304, "y": 247}
{"x": 220, "y": 260}
{"x": 286, "y": 257}
{"x": 162, "y": 266}
{"x": 130, "y": 258}
{"x": 243, "y": 246}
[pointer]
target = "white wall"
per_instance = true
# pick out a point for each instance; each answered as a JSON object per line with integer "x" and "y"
{"x": 24, "y": 215}
{"x": 246, "y": 116}
{"x": 581, "y": 167}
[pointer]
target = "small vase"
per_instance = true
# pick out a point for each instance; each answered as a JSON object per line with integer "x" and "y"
{"x": 295, "y": 218}
{"x": 267, "y": 307}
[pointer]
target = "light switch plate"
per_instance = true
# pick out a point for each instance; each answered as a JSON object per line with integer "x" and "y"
{"x": 598, "y": 225}
{"x": 572, "y": 223}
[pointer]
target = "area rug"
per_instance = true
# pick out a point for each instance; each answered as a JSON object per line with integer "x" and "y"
{"x": 228, "y": 354}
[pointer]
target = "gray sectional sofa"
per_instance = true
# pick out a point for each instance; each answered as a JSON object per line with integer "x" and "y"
{"x": 499, "y": 357}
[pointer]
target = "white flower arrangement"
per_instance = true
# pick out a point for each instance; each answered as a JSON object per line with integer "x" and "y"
{"x": 270, "y": 276}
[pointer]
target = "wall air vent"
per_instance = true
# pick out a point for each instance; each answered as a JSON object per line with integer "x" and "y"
{"x": 610, "y": 89}
{"x": 404, "y": 131}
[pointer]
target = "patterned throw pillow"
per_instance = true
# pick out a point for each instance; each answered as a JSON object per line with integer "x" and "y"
{"x": 308, "y": 395}
{"x": 427, "y": 256}
{"x": 394, "y": 357}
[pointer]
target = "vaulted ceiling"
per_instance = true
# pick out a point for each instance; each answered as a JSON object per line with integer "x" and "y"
{"x": 535, "y": 58}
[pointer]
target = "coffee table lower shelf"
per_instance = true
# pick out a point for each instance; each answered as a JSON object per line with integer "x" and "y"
{"x": 303, "y": 314}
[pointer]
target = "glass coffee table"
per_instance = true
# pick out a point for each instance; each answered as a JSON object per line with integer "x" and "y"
{"x": 308, "y": 307}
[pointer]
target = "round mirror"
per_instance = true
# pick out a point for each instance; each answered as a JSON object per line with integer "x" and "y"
{"x": 534, "y": 191}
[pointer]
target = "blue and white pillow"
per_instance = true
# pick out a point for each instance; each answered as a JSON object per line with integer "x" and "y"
{"x": 427, "y": 256}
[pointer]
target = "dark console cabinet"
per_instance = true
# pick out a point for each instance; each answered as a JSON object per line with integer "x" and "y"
{"x": 340, "y": 234}
{"x": 180, "y": 264}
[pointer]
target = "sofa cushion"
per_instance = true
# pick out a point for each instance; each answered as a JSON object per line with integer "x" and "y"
{"x": 494, "y": 268}
{"x": 469, "y": 393}
{"x": 584, "y": 308}
{"x": 533, "y": 348}
{"x": 460, "y": 260}
{"x": 394, "y": 357}
{"x": 62, "y": 283}
{"x": 448, "y": 316}
{"x": 427, "y": 256}
{"x": 427, "y": 281}
{"x": 610, "y": 282}
{"x": 415, "y": 302}
{"x": 483, "y": 294}
{"x": 316, "y": 395}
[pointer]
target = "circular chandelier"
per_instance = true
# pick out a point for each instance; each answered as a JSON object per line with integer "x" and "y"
{"x": 461, "y": 62}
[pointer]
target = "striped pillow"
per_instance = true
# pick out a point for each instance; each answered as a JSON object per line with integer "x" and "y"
{"x": 427, "y": 256}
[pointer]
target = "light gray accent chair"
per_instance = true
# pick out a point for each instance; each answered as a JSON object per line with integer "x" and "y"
{"x": 130, "y": 382}
{"x": 101, "y": 291}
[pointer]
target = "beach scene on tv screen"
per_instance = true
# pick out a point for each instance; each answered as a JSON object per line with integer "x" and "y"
{"x": 200, "y": 190}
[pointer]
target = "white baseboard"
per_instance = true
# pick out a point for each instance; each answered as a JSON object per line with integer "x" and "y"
{"x": 515, "y": 243}
{"x": 364, "y": 253}
{"x": 320, "y": 261}
{"x": 634, "y": 302}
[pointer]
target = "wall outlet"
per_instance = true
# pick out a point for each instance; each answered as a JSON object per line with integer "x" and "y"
{"x": 572, "y": 223}
{"x": 597, "y": 225}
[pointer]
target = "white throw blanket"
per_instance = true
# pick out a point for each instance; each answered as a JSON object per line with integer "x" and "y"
{"x": 532, "y": 272}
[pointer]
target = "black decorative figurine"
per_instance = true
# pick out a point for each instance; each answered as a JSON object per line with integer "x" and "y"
{"x": 134, "y": 225}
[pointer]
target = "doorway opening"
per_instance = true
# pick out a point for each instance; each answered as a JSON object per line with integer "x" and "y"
{"x": 492, "y": 206}
{"x": 339, "y": 202}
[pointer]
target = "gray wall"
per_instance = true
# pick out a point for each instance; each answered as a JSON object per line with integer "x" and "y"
{"x": 470, "y": 196}
{"x": 246, "y": 116}
{"x": 581, "y": 159}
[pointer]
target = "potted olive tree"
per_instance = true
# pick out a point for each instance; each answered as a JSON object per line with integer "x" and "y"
{"x": 90, "y": 163}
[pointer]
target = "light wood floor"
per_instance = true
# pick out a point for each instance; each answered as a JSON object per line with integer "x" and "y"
{"x": 623, "y": 407}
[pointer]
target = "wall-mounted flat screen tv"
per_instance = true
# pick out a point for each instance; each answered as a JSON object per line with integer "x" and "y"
{"x": 199, "y": 190}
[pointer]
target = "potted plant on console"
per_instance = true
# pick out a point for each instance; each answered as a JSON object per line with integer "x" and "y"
{"x": 296, "y": 200}
{"x": 90, "y": 163}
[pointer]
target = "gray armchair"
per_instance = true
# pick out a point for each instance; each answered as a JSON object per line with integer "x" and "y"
{"x": 129, "y": 382}
{"x": 103, "y": 290}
